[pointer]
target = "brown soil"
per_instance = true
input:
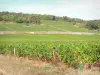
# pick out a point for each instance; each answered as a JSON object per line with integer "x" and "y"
{"x": 11, "y": 65}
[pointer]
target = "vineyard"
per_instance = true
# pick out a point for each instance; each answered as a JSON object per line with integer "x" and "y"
{"x": 88, "y": 51}
{"x": 39, "y": 37}
{"x": 47, "y": 25}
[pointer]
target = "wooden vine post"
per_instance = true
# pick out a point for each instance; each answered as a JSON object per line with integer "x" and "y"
{"x": 55, "y": 55}
{"x": 14, "y": 51}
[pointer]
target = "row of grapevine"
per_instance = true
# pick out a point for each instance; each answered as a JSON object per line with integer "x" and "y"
{"x": 67, "y": 51}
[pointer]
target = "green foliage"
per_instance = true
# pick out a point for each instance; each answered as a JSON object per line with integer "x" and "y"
{"x": 91, "y": 25}
{"x": 65, "y": 18}
{"x": 54, "y": 18}
{"x": 20, "y": 20}
{"x": 33, "y": 18}
{"x": 1, "y": 18}
{"x": 88, "y": 51}
{"x": 67, "y": 46}
{"x": 19, "y": 17}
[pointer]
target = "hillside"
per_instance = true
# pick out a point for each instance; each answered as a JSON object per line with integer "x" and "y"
{"x": 46, "y": 25}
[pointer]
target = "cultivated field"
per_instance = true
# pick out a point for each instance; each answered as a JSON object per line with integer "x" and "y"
{"x": 46, "y": 26}
{"x": 42, "y": 45}
{"x": 19, "y": 41}
{"x": 47, "y": 37}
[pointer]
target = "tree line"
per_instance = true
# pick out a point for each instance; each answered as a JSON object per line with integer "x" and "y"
{"x": 32, "y": 18}
{"x": 19, "y": 17}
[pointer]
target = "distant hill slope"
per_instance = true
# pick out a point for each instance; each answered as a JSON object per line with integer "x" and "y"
{"x": 46, "y": 25}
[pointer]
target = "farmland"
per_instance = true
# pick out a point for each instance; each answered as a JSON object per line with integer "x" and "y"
{"x": 46, "y": 25}
{"x": 40, "y": 45}
{"x": 47, "y": 37}
{"x": 55, "y": 37}
{"x": 38, "y": 41}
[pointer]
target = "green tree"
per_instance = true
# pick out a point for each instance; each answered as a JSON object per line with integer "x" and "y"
{"x": 91, "y": 25}
{"x": 27, "y": 21}
{"x": 1, "y": 18}
{"x": 20, "y": 20}
{"x": 53, "y": 18}
{"x": 65, "y": 18}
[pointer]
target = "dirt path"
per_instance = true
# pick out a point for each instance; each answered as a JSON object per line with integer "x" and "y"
{"x": 22, "y": 66}
{"x": 48, "y": 32}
